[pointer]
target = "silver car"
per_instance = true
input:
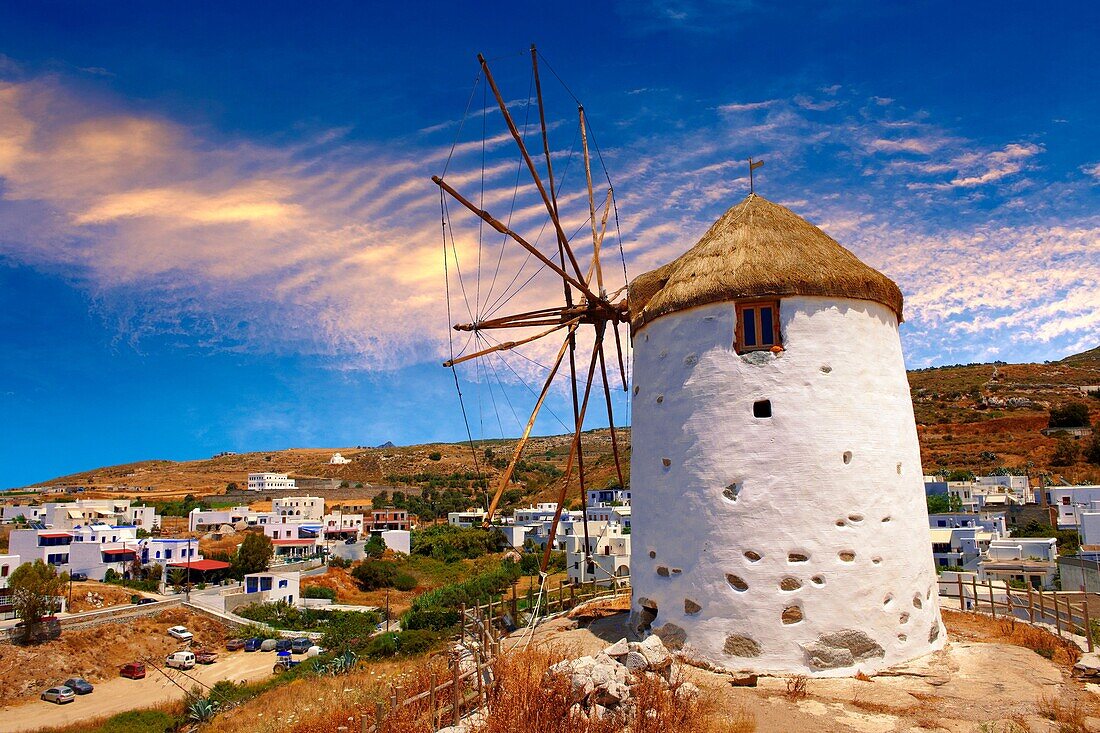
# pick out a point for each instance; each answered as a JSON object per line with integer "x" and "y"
{"x": 59, "y": 695}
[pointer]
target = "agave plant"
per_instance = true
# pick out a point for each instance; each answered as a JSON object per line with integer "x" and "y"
{"x": 202, "y": 710}
{"x": 341, "y": 664}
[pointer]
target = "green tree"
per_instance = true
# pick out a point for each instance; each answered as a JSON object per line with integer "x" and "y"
{"x": 374, "y": 547}
{"x": 374, "y": 574}
{"x": 943, "y": 503}
{"x": 35, "y": 588}
{"x": 254, "y": 555}
{"x": 1069, "y": 415}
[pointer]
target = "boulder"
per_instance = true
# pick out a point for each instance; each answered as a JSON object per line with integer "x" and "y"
{"x": 635, "y": 661}
{"x": 842, "y": 649}
{"x": 686, "y": 692}
{"x": 655, "y": 653}
{"x": 743, "y": 680}
{"x": 618, "y": 649}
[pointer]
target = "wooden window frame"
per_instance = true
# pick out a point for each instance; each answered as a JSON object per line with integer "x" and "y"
{"x": 739, "y": 336}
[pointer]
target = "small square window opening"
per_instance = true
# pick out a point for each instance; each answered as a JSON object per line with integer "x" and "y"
{"x": 762, "y": 408}
{"x": 757, "y": 326}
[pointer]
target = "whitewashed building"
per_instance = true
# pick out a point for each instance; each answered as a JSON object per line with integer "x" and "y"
{"x": 338, "y": 460}
{"x": 304, "y": 507}
{"x": 468, "y": 518}
{"x": 779, "y": 511}
{"x": 1029, "y": 560}
{"x": 270, "y": 482}
{"x": 8, "y": 564}
{"x": 273, "y": 587}
{"x": 608, "y": 554}
{"x": 1071, "y": 502}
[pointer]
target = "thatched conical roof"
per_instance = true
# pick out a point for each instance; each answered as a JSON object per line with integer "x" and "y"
{"x": 758, "y": 249}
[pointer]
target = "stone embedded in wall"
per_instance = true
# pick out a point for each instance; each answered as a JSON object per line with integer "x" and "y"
{"x": 737, "y": 582}
{"x": 790, "y": 584}
{"x": 652, "y": 554}
{"x": 792, "y": 615}
{"x": 825, "y": 368}
{"x": 673, "y": 636}
{"x": 752, "y": 556}
{"x": 903, "y": 618}
{"x": 662, "y": 571}
{"x": 666, "y": 462}
{"x": 846, "y": 555}
{"x": 691, "y": 360}
{"x": 660, "y": 398}
{"x": 917, "y": 601}
{"x": 842, "y": 649}
{"x": 691, "y": 607}
{"x": 934, "y": 632}
{"x": 818, "y": 580}
{"x": 738, "y": 645}
{"x": 732, "y": 491}
{"x": 847, "y": 457}
{"x": 797, "y": 557}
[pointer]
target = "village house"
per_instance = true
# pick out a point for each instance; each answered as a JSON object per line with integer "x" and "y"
{"x": 1071, "y": 501}
{"x": 1032, "y": 561}
{"x": 270, "y": 482}
{"x": 468, "y": 518}
{"x": 273, "y": 587}
{"x": 305, "y": 507}
{"x": 8, "y": 564}
{"x": 608, "y": 548}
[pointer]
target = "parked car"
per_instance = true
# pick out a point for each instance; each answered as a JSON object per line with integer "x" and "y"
{"x": 180, "y": 660}
{"x": 146, "y": 601}
{"x": 253, "y": 644}
{"x": 234, "y": 645}
{"x": 350, "y": 541}
{"x": 268, "y": 645}
{"x": 283, "y": 645}
{"x": 181, "y": 633}
{"x": 78, "y": 577}
{"x": 133, "y": 670}
{"x": 206, "y": 656}
{"x": 79, "y": 685}
{"x": 59, "y": 695}
{"x": 301, "y": 645}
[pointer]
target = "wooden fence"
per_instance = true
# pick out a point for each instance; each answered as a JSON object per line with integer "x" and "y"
{"x": 448, "y": 699}
{"x": 1027, "y": 604}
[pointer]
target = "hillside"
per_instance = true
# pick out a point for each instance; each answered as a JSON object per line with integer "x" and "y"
{"x": 977, "y": 417}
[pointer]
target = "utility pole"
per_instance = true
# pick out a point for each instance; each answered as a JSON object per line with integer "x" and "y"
{"x": 387, "y": 610}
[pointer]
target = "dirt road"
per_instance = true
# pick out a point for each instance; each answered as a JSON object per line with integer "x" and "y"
{"x": 119, "y": 695}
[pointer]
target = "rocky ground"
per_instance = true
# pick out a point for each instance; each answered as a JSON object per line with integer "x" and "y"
{"x": 981, "y": 681}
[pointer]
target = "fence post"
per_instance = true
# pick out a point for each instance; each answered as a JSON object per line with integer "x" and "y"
{"x": 515, "y": 604}
{"x": 379, "y": 715}
{"x": 431, "y": 700}
{"x": 992, "y": 603}
{"x": 974, "y": 591}
{"x": 1030, "y": 606}
{"x": 572, "y": 595}
{"x": 456, "y": 697}
{"x": 1057, "y": 615}
{"x": 1042, "y": 607}
{"x": 962, "y": 602}
{"x": 463, "y": 612}
{"x": 1088, "y": 620}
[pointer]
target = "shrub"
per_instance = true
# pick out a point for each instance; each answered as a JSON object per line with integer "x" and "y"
{"x": 439, "y": 609}
{"x": 374, "y": 547}
{"x": 319, "y": 591}
{"x": 1069, "y": 415}
{"x": 374, "y": 574}
{"x": 449, "y": 543}
{"x": 1092, "y": 452}
{"x": 404, "y": 581}
{"x": 335, "y": 561}
{"x": 1065, "y": 452}
{"x": 435, "y": 456}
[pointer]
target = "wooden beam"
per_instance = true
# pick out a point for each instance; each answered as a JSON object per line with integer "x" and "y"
{"x": 619, "y": 351}
{"x": 598, "y": 242}
{"x": 574, "y": 448}
{"x": 550, "y": 208}
{"x": 507, "y": 476}
{"x": 591, "y": 205}
{"x": 506, "y": 345}
{"x": 611, "y": 420}
{"x": 488, "y": 219}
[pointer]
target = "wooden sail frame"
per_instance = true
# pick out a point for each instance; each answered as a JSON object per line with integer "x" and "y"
{"x": 583, "y": 306}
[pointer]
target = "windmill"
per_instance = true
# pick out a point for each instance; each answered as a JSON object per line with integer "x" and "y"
{"x": 584, "y": 301}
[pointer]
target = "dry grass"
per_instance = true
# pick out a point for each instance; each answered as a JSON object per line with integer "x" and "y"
{"x": 871, "y": 706}
{"x": 113, "y": 595}
{"x": 862, "y": 677}
{"x": 797, "y": 686}
{"x": 1070, "y": 717}
{"x": 977, "y": 627}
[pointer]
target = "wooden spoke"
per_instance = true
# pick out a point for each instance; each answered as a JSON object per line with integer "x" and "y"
{"x": 507, "y": 476}
{"x": 598, "y": 242}
{"x": 591, "y": 206}
{"x": 488, "y": 219}
{"x": 562, "y": 239}
{"x": 619, "y": 351}
{"x": 506, "y": 345}
{"x": 611, "y": 419}
{"x": 574, "y": 449}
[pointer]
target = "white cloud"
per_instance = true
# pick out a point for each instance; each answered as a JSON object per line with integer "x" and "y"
{"x": 746, "y": 106}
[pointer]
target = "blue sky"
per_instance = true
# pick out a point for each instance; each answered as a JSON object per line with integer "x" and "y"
{"x": 218, "y": 232}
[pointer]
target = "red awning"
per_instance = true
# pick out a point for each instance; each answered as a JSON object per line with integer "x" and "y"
{"x": 55, "y": 535}
{"x": 202, "y": 565}
{"x": 119, "y": 552}
{"x": 292, "y": 543}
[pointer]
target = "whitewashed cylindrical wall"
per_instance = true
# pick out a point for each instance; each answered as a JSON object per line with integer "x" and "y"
{"x": 792, "y": 543}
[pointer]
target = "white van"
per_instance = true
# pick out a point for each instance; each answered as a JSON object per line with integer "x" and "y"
{"x": 181, "y": 660}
